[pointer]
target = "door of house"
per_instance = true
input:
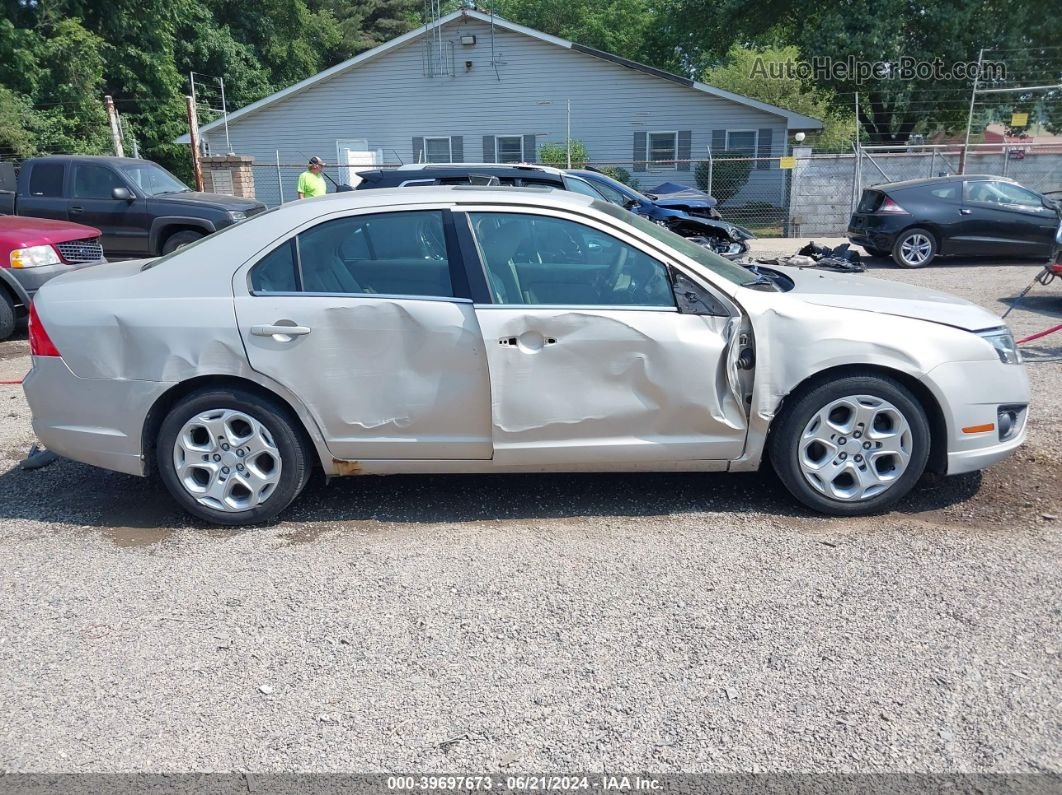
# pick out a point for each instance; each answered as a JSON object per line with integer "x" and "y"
{"x": 355, "y": 156}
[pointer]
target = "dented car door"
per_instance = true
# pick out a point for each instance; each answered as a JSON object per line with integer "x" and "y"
{"x": 590, "y": 359}
{"x": 362, "y": 318}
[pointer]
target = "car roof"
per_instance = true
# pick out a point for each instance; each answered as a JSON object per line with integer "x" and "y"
{"x": 94, "y": 158}
{"x": 460, "y": 166}
{"x": 463, "y": 194}
{"x": 929, "y": 181}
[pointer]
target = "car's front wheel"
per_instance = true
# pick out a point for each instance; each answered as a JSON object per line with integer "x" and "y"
{"x": 180, "y": 240}
{"x": 851, "y": 446}
{"x": 914, "y": 248}
{"x": 232, "y": 457}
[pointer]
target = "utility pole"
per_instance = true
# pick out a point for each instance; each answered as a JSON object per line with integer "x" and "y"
{"x": 969, "y": 119}
{"x": 116, "y": 134}
{"x": 193, "y": 139}
{"x": 569, "y": 128}
{"x": 225, "y": 113}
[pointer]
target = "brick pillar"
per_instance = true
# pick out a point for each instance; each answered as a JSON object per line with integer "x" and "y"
{"x": 231, "y": 174}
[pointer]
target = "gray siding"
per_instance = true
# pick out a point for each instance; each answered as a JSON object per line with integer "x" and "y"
{"x": 389, "y": 102}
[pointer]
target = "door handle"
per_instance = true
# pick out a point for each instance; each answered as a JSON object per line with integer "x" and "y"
{"x": 76, "y": 210}
{"x": 280, "y": 333}
{"x": 964, "y": 211}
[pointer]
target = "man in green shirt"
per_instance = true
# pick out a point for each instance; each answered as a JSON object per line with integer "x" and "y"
{"x": 311, "y": 183}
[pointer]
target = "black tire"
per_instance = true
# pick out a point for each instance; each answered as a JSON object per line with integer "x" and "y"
{"x": 784, "y": 445}
{"x": 914, "y": 248}
{"x": 884, "y": 253}
{"x": 276, "y": 419}
{"x": 7, "y": 315}
{"x": 178, "y": 239}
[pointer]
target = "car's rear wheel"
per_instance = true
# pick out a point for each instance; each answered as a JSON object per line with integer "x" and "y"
{"x": 914, "y": 248}
{"x": 179, "y": 239}
{"x": 851, "y": 446}
{"x": 232, "y": 457}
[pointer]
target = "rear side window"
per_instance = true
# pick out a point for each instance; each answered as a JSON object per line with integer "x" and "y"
{"x": 275, "y": 273}
{"x": 870, "y": 201}
{"x": 400, "y": 253}
{"x": 46, "y": 179}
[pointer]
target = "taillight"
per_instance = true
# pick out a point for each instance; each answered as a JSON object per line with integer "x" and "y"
{"x": 40, "y": 343}
{"x": 889, "y": 207}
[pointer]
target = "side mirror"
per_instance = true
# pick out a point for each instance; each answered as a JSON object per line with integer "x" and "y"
{"x": 122, "y": 194}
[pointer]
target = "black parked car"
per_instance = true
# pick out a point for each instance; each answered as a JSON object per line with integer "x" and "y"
{"x": 141, "y": 208}
{"x": 915, "y": 221}
{"x": 722, "y": 237}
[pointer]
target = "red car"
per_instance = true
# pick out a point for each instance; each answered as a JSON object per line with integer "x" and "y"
{"x": 34, "y": 250}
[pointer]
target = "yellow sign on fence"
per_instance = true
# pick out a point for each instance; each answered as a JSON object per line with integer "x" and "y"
{"x": 1019, "y": 119}
{"x": 787, "y": 162}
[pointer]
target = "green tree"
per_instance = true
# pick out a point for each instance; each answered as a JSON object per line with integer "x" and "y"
{"x": 879, "y": 31}
{"x": 724, "y": 176}
{"x": 621, "y": 27}
{"x": 745, "y": 72}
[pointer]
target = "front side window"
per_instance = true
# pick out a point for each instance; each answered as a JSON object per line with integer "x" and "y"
{"x": 741, "y": 142}
{"x": 510, "y": 148}
{"x": 1001, "y": 193}
{"x": 438, "y": 150}
{"x": 663, "y": 147}
{"x": 401, "y": 253}
{"x": 536, "y": 259}
{"x": 95, "y": 182}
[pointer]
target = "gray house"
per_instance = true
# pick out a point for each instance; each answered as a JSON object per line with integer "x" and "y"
{"x": 473, "y": 87}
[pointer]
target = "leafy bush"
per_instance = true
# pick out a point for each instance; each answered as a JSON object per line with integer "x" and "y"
{"x": 557, "y": 154}
{"x": 621, "y": 175}
{"x": 729, "y": 173}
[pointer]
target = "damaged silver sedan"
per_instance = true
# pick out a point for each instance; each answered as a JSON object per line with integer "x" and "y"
{"x": 506, "y": 330}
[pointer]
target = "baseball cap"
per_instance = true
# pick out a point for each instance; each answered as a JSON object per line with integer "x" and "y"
{"x": 316, "y": 161}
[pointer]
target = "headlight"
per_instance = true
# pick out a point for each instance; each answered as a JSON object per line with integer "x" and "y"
{"x": 34, "y": 257}
{"x": 1003, "y": 341}
{"x": 236, "y": 215}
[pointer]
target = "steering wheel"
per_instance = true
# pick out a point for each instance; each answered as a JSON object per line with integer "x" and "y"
{"x": 611, "y": 285}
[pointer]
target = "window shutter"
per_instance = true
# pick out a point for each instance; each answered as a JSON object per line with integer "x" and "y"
{"x": 488, "y": 149}
{"x": 418, "y": 149}
{"x": 685, "y": 139}
{"x": 457, "y": 149}
{"x": 764, "y": 148}
{"x": 718, "y": 142}
{"x": 530, "y": 152}
{"x": 639, "y": 151}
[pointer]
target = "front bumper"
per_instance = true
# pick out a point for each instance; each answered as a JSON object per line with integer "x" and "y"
{"x": 94, "y": 421}
{"x": 32, "y": 279}
{"x": 970, "y": 395}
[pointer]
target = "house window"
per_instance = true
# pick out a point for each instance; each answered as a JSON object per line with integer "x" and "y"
{"x": 437, "y": 150}
{"x": 509, "y": 148}
{"x": 741, "y": 142}
{"x": 663, "y": 150}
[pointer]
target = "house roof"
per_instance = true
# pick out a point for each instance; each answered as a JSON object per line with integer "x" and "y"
{"x": 794, "y": 121}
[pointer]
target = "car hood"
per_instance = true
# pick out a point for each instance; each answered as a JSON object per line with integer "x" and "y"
{"x": 854, "y": 291}
{"x": 17, "y": 231}
{"x": 220, "y": 201}
{"x": 682, "y": 200}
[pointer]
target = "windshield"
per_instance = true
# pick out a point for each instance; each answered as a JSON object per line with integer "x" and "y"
{"x": 699, "y": 254}
{"x": 152, "y": 179}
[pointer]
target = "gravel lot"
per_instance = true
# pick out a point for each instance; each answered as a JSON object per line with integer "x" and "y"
{"x": 660, "y": 623}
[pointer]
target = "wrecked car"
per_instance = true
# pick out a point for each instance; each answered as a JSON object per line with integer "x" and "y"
{"x": 682, "y": 212}
{"x": 462, "y": 329}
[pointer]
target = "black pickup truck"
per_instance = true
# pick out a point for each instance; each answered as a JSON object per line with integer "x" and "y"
{"x": 141, "y": 208}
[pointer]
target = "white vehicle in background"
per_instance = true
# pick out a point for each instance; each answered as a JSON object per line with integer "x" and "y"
{"x": 506, "y": 330}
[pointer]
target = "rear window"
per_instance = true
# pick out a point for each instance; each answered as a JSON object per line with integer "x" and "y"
{"x": 870, "y": 201}
{"x": 46, "y": 179}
